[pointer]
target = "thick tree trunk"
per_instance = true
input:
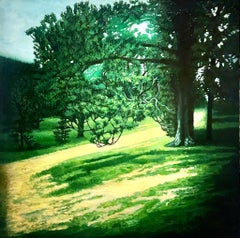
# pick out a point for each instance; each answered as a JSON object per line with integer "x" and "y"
{"x": 80, "y": 125}
{"x": 184, "y": 133}
{"x": 209, "y": 115}
{"x": 184, "y": 28}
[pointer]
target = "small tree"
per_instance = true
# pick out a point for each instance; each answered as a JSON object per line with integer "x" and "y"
{"x": 61, "y": 132}
{"x": 23, "y": 116}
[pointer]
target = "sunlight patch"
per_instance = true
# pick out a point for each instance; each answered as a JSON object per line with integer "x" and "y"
{"x": 167, "y": 195}
{"x": 126, "y": 212}
{"x": 144, "y": 171}
{"x": 198, "y": 116}
{"x": 87, "y": 201}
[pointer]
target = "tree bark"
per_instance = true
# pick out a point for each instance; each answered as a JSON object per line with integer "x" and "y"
{"x": 184, "y": 133}
{"x": 184, "y": 27}
{"x": 209, "y": 115}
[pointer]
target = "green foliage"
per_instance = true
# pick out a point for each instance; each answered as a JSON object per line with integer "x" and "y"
{"x": 100, "y": 69}
{"x": 61, "y": 132}
{"x": 31, "y": 142}
{"x": 26, "y": 110}
{"x": 21, "y": 108}
{"x": 162, "y": 106}
{"x": 109, "y": 112}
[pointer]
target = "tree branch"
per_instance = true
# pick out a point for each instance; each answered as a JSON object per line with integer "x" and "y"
{"x": 169, "y": 50}
{"x": 165, "y": 61}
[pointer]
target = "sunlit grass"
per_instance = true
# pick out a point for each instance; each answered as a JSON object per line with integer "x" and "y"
{"x": 133, "y": 188}
{"x": 47, "y": 144}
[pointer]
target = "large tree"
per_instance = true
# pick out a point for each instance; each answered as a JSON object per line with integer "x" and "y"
{"x": 86, "y": 36}
{"x": 176, "y": 18}
{"x": 67, "y": 47}
{"x": 63, "y": 50}
{"x": 197, "y": 31}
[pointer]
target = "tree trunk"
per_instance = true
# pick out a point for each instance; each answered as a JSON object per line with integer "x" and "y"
{"x": 209, "y": 115}
{"x": 184, "y": 134}
{"x": 80, "y": 125}
{"x": 21, "y": 146}
{"x": 184, "y": 28}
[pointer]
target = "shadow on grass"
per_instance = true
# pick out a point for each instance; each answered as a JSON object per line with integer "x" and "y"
{"x": 93, "y": 171}
{"x": 223, "y": 213}
{"x": 201, "y": 217}
{"x": 220, "y": 137}
{"x": 214, "y": 213}
{"x": 98, "y": 232}
{"x": 225, "y": 119}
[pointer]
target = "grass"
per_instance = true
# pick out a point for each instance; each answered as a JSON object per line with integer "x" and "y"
{"x": 181, "y": 206}
{"x": 44, "y": 137}
{"x": 146, "y": 190}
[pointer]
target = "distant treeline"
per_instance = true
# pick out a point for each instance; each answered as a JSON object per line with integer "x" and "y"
{"x": 11, "y": 72}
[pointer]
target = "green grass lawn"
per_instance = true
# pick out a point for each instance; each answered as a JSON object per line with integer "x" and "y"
{"x": 44, "y": 137}
{"x": 202, "y": 200}
{"x": 197, "y": 195}
{"x": 47, "y": 144}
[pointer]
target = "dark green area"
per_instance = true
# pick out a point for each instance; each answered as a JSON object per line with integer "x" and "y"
{"x": 10, "y": 71}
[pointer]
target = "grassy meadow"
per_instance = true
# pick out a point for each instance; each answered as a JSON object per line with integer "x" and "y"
{"x": 136, "y": 188}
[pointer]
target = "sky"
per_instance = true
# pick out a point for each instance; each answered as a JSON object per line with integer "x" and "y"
{"x": 16, "y": 16}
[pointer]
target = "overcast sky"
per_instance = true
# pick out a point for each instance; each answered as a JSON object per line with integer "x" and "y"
{"x": 16, "y": 16}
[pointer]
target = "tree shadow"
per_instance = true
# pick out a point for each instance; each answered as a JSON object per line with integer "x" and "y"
{"x": 86, "y": 175}
{"x": 226, "y": 137}
{"x": 100, "y": 232}
{"x": 220, "y": 217}
{"x": 221, "y": 137}
{"x": 225, "y": 119}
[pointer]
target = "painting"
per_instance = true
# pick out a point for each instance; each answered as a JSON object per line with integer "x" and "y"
{"x": 119, "y": 118}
